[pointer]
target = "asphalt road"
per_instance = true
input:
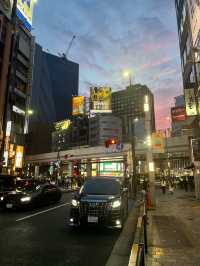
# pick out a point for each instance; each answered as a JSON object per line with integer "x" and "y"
{"x": 43, "y": 238}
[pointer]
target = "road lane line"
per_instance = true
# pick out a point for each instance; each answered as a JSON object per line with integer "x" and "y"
{"x": 38, "y": 213}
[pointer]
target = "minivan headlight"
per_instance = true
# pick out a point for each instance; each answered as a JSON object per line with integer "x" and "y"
{"x": 116, "y": 204}
{"x": 25, "y": 199}
{"x": 75, "y": 203}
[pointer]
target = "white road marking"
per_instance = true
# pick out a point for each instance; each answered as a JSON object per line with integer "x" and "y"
{"x": 38, "y": 213}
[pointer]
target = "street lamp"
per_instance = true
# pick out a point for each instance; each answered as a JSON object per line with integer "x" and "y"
{"x": 127, "y": 74}
{"x": 30, "y": 112}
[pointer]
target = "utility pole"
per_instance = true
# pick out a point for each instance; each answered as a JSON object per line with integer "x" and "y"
{"x": 149, "y": 156}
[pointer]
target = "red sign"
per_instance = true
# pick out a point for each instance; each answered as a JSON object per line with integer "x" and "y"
{"x": 178, "y": 114}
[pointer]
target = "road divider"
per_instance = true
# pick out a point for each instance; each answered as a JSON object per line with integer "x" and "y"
{"x": 41, "y": 212}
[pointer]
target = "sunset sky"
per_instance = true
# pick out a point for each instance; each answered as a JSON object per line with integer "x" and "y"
{"x": 112, "y": 36}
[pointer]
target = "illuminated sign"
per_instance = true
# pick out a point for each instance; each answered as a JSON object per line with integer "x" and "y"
{"x": 8, "y": 128}
{"x": 100, "y": 100}
{"x": 178, "y": 114}
{"x": 190, "y": 101}
{"x": 6, "y": 7}
{"x": 111, "y": 168}
{"x": 62, "y": 125}
{"x": 18, "y": 110}
{"x": 157, "y": 142}
{"x": 19, "y": 156}
{"x": 25, "y": 12}
{"x": 78, "y": 105}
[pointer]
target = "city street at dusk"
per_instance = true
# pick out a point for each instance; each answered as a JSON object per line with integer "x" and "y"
{"x": 99, "y": 132}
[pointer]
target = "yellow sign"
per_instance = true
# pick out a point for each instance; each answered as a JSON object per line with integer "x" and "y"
{"x": 78, "y": 104}
{"x": 158, "y": 142}
{"x": 62, "y": 125}
{"x": 25, "y": 11}
{"x": 100, "y": 99}
{"x": 19, "y": 157}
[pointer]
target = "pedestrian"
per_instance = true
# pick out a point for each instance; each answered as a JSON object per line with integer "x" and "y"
{"x": 185, "y": 182}
{"x": 163, "y": 185}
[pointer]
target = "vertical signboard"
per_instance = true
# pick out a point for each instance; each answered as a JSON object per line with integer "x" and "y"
{"x": 158, "y": 144}
{"x": 196, "y": 150}
{"x": 190, "y": 102}
{"x": 19, "y": 156}
{"x": 25, "y": 12}
{"x": 6, "y": 7}
{"x": 100, "y": 100}
{"x": 194, "y": 11}
{"x": 78, "y": 105}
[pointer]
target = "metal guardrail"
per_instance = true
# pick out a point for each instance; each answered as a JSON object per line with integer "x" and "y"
{"x": 140, "y": 247}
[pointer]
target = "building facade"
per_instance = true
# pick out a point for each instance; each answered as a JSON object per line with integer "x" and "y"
{"x": 188, "y": 21}
{"x": 16, "y": 89}
{"x": 5, "y": 49}
{"x": 128, "y": 105}
{"x": 55, "y": 81}
{"x": 103, "y": 127}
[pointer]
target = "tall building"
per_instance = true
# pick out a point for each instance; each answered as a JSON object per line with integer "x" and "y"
{"x": 103, "y": 127}
{"x": 5, "y": 49}
{"x": 188, "y": 21}
{"x": 16, "y": 87}
{"x": 55, "y": 80}
{"x": 128, "y": 104}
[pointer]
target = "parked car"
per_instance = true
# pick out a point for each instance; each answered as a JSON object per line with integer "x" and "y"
{"x": 7, "y": 184}
{"x": 32, "y": 196}
{"x": 100, "y": 201}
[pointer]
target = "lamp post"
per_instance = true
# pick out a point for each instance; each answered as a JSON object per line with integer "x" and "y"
{"x": 150, "y": 162}
{"x": 131, "y": 126}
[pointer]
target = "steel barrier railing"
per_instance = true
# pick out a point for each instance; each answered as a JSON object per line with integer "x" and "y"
{"x": 140, "y": 247}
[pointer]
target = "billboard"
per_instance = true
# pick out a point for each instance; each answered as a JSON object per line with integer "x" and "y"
{"x": 100, "y": 100}
{"x": 62, "y": 125}
{"x": 178, "y": 114}
{"x": 25, "y": 12}
{"x": 190, "y": 102}
{"x": 6, "y": 7}
{"x": 158, "y": 143}
{"x": 78, "y": 105}
{"x": 19, "y": 156}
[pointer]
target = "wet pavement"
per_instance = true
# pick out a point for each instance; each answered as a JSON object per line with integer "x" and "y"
{"x": 44, "y": 238}
{"x": 174, "y": 230}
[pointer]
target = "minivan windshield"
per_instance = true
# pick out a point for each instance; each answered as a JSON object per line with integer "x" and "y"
{"x": 101, "y": 187}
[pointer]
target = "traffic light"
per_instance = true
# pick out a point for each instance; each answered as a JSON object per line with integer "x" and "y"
{"x": 110, "y": 142}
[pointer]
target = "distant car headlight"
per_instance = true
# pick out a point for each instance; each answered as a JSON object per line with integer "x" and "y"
{"x": 2, "y": 198}
{"x": 75, "y": 203}
{"x": 116, "y": 204}
{"x": 25, "y": 199}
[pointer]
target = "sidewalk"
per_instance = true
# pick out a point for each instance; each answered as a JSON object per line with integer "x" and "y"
{"x": 174, "y": 230}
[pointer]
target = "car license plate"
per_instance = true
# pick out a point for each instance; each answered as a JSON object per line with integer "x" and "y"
{"x": 9, "y": 206}
{"x": 92, "y": 219}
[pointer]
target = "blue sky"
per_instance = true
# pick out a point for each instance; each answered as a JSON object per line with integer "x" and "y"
{"x": 114, "y": 35}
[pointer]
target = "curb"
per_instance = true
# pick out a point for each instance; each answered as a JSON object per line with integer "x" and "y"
{"x": 122, "y": 249}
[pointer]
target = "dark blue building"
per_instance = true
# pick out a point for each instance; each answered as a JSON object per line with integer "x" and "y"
{"x": 55, "y": 80}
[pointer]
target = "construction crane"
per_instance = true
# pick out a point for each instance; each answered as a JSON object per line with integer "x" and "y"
{"x": 65, "y": 56}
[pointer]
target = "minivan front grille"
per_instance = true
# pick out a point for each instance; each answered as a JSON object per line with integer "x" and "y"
{"x": 97, "y": 209}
